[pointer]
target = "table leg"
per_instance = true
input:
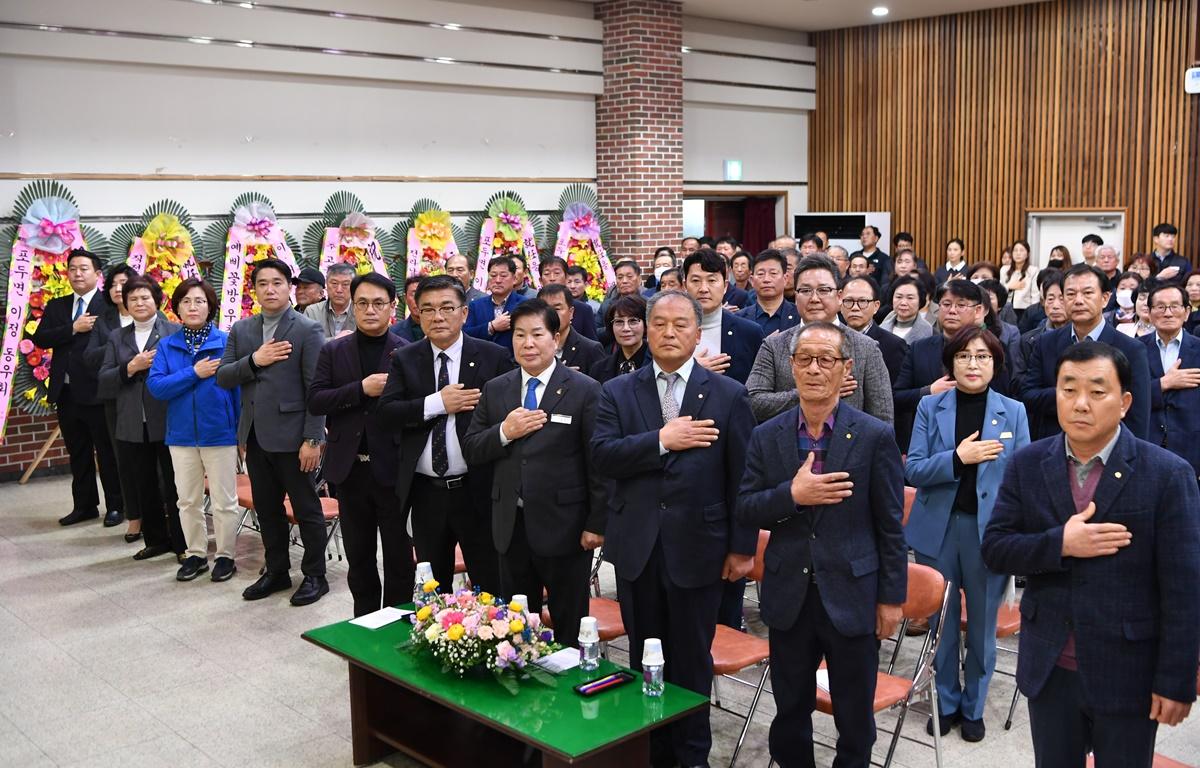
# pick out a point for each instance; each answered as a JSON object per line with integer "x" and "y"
{"x": 367, "y": 748}
{"x": 629, "y": 753}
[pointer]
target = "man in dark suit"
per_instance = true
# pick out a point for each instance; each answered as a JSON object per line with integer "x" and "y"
{"x": 409, "y": 328}
{"x": 728, "y": 343}
{"x": 1171, "y": 266}
{"x": 574, "y": 349}
{"x": 554, "y": 272}
{"x": 880, "y": 263}
{"x": 1107, "y": 531}
{"x": 64, "y": 330}
{"x": 361, "y": 455}
{"x": 534, "y": 426}
{"x": 431, "y": 389}
{"x": 1085, "y": 296}
{"x": 273, "y": 358}
{"x": 1174, "y": 358}
{"x": 673, "y": 437}
{"x": 860, "y": 302}
{"x": 487, "y": 317}
{"x": 826, "y": 479}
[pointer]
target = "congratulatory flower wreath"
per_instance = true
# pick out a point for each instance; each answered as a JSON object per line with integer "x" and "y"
{"x": 429, "y": 237}
{"x": 581, "y": 231}
{"x": 346, "y": 235}
{"x": 505, "y": 229}
{"x": 160, "y": 247}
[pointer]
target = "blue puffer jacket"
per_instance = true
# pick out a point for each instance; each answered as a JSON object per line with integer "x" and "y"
{"x": 199, "y": 413}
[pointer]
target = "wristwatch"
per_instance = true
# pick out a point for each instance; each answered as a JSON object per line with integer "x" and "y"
{"x": 312, "y": 443}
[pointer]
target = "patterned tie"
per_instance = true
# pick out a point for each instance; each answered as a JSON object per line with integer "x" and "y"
{"x": 531, "y": 394}
{"x": 441, "y": 458}
{"x": 78, "y": 309}
{"x": 670, "y": 408}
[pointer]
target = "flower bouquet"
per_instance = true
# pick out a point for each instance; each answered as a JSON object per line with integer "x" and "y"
{"x": 346, "y": 235}
{"x": 470, "y": 630}
{"x": 159, "y": 246}
{"x": 430, "y": 239}
{"x": 505, "y": 229}
{"x": 580, "y": 240}
{"x": 33, "y": 272}
{"x": 234, "y": 244}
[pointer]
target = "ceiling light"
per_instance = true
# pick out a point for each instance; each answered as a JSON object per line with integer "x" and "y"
{"x": 879, "y": 10}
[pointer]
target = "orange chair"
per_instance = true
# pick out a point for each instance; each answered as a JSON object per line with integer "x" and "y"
{"x": 732, "y": 651}
{"x": 608, "y": 620}
{"x": 245, "y": 499}
{"x": 329, "y": 508}
{"x": 910, "y": 496}
{"x": 928, "y": 595}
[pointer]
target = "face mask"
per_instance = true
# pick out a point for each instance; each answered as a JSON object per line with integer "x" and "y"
{"x": 658, "y": 272}
{"x": 1124, "y": 298}
{"x": 978, "y": 280}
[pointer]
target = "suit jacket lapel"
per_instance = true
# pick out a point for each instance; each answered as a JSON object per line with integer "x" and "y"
{"x": 842, "y": 440}
{"x": 947, "y": 414}
{"x": 1057, "y": 478}
{"x": 389, "y": 346}
{"x": 995, "y": 422}
{"x": 695, "y": 394}
{"x": 426, "y": 376}
{"x": 468, "y": 369}
{"x": 1155, "y": 358}
{"x": 646, "y": 390}
{"x": 556, "y": 388}
{"x": 1116, "y": 475}
{"x": 285, "y": 323}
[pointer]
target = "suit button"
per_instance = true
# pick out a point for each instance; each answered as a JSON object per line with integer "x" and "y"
{"x": 661, "y": 505}
{"x": 812, "y": 535}
{"x": 983, "y": 495}
{"x": 805, "y": 570}
{"x": 522, "y": 462}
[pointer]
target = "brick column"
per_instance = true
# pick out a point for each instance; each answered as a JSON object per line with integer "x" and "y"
{"x": 639, "y": 125}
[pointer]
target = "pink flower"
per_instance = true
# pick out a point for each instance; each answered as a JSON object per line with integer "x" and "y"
{"x": 506, "y": 654}
{"x": 500, "y": 628}
{"x": 534, "y": 621}
{"x": 41, "y": 373}
{"x": 471, "y": 623}
{"x": 26, "y": 346}
{"x": 451, "y": 618}
{"x": 491, "y": 612}
{"x": 464, "y": 599}
{"x": 485, "y": 632}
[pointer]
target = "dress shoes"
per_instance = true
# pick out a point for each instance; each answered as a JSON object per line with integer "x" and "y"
{"x": 192, "y": 567}
{"x": 223, "y": 569}
{"x": 145, "y": 553}
{"x": 310, "y": 590}
{"x": 946, "y": 722}
{"x": 973, "y": 730}
{"x": 267, "y": 585}
{"x": 78, "y": 516}
{"x": 113, "y": 518}
{"x": 132, "y": 537}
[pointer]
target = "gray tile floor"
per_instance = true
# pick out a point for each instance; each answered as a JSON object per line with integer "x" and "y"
{"x": 108, "y": 662}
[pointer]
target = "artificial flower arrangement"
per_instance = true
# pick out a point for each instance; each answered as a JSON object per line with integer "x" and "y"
{"x": 505, "y": 229}
{"x": 233, "y": 246}
{"x": 581, "y": 233}
{"x": 430, "y": 239}
{"x": 164, "y": 251}
{"x": 32, "y": 272}
{"x": 346, "y": 235}
{"x": 471, "y": 630}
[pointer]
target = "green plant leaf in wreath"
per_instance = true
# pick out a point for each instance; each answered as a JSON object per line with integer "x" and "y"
{"x": 8, "y": 237}
{"x": 173, "y": 208}
{"x": 314, "y": 236}
{"x": 246, "y": 198}
{"x": 579, "y": 193}
{"x": 473, "y": 229}
{"x": 97, "y": 243}
{"x": 122, "y": 239}
{"x": 400, "y": 235}
{"x": 423, "y": 205}
{"x": 341, "y": 203}
{"x": 37, "y": 189}
{"x": 213, "y": 250}
{"x": 23, "y": 381}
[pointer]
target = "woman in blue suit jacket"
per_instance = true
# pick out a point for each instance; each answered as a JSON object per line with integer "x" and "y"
{"x": 961, "y": 441}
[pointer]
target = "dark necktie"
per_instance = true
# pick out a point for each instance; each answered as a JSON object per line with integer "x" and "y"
{"x": 78, "y": 309}
{"x": 441, "y": 459}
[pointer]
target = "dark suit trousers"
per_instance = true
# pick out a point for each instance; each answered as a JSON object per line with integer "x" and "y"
{"x": 88, "y": 443}
{"x": 795, "y": 656}
{"x": 150, "y": 477}
{"x": 369, "y": 510}
{"x": 686, "y": 621}
{"x": 273, "y": 475}
{"x": 1065, "y": 728}
{"x": 733, "y": 595}
{"x": 110, "y": 420}
{"x": 443, "y": 517}
{"x": 565, "y": 578}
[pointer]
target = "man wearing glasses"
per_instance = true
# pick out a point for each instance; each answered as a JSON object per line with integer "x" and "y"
{"x": 432, "y": 387}
{"x": 361, "y": 454}
{"x": 1174, "y": 358}
{"x": 860, "y": 303}
{"x": 1085, "y": 292}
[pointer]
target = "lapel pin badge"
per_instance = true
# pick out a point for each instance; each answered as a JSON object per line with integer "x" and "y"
{"x": 1117, "y": 475}
{"x": 472, "y": 363}
{"x": 700, "y": 395}
{"x": 848, "y": 435}
{"x": 558, "y": 392}
{"x": 994, "y": 422}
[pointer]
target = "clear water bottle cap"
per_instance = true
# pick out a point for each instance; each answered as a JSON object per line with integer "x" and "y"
{"x": 424, "y": 572}
{"x": 588, "y": 631}
{"x": 652, "y": 654}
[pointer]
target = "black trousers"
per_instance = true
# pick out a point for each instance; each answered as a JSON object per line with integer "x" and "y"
{"x": 150, "y": 478}
{"x": 1065, "y": 728}
{"x": 443, "y": 517}
{"x": 370, "y": 510}
{"x": 733, "y": 595}
{"x": 685, "y": 620}
{"x": 565, "y": 579}
{"x": 110, "y": 421}
{"x": 272, "y": 476}
{"x": 795, "y": 656}
{"x": 88, "y": 443}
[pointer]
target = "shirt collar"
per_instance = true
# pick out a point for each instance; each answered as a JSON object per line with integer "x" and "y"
{"x": 454, "y": 351}
{"x": 1104, "y": 453}
{"x": 87, "y": 297}
{"x": 1093, "y": 334}
{"x": 684, "y": 371}
{"x": 543, "y": 377}
{"x": 829, "y": 422}
{"x": 1177, "y": 340}
{"x": 837, "y": 320}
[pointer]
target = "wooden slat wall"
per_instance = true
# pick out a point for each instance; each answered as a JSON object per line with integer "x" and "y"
{"x": 960, "y": 124}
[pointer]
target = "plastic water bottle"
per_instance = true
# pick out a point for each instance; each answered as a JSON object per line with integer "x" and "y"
{"x": 522, "y": 601}
{"x": 424, "y": 574}
{"x": 652, "y": 667}
{"x": 589, "y": 644}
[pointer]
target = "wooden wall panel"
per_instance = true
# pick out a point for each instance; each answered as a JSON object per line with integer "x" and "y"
{"x": 960, "y": 124}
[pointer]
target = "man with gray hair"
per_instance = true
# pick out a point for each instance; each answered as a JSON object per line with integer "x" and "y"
{"x": 672, "y": 435}
{"x": 867, "y": 385}
{"x": 1108, "y": 260}
{"x": 333, "y": 314}
{"x": 841, "y": 258}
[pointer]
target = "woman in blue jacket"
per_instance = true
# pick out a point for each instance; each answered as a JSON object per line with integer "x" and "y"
{"x": 202, "y": 421}
{"x": 962, "y": 440}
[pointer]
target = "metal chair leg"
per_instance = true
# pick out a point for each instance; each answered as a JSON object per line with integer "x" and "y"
{"x": 762, "y": 683}
{"x": 716, "y": 692}
{"x": 1012, "y": 708}
{"x": 896, "y": 650}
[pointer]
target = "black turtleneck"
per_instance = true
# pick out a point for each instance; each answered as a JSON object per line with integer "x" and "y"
{"x": 370, "y": 351}
{"x": 968, "y": 418}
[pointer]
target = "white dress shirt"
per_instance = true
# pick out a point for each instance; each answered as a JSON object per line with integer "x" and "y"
{"x": 685, "y": 373}
{"x": 538, "y": 391}
{"x": 1168, "y": 351}
{"x": 434, "y": 407}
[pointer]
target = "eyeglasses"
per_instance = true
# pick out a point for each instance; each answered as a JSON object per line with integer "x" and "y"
{"x": 626, "y": 322}
{"x": 446, "y": 310}
{"x": 957, "y": 306}
{"x": 856, "y": 303}
{"x": 824, "y": 361}
{"x": 378, "y": 305}
{"x": 824, "y": 292}
{"x": 1172, "y": 308}
{"x": 965, "y": 358}
{"x": 198, "y": 301}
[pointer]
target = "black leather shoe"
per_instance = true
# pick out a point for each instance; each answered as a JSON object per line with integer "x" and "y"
{"x": 267, "y": 585}
{"x": 973, "y": 730}
{"x": 310, "y": 590}
{"x": 113, "y": 518}
{"x": 192, "y": 567}
{"x": 78, "y": 516}
{"x": 145, "y": 553}
{"x": 945, "y": 723}
{"x": 132, "y": 537}
{"x": 223, "y": 569}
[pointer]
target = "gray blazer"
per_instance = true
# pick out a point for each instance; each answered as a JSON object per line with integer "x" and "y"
{"x": 273, "y": 398}
{"x": 920, "y": 328}
{"x": 773, "y": 389}
{"x": 323, "y": 315}
{"x": 135, "y": 405}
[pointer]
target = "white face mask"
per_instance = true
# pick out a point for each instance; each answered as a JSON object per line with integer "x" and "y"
{"x": 978, "y": 280}
{"x": 658, "y": 272}
{"x": 1124, "y": 298}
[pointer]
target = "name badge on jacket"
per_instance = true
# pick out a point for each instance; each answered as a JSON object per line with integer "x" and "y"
{"x": 560, "y": 418}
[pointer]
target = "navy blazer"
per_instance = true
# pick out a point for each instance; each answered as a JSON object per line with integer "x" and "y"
{"x": 893, "y": 348}
{"x": 336, "y": 393}
{"x": 1175, "y": 414}
{"x": 735, "y": 296}
{"x": 1037, "y": 389}
{"x": 584, "y": 319}
{"x": 580, "y": 352}
{"x": 685, "y": 499}
{"x": 482, "y": 311}
{"x": 740, "y": 339}
{"x": 408, "y": 329}
{"x": 1135, "y": 614}
{"x": 854, "y": 549}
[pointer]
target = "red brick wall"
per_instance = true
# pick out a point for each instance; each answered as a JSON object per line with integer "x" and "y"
{"x": 639, "y": 126}
{"x": 23, "y": 438}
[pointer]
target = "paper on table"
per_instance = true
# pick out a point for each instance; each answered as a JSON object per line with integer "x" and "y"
{"x": 381, "y": 618}
{"x": 559, "y": 661}
{"x": 823, "y": 679}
